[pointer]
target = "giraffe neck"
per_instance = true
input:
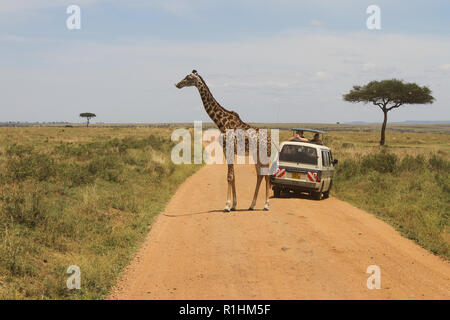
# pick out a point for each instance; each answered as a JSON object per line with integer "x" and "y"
{"x": 224, "y": 119}
{"x": 210, "y": 104}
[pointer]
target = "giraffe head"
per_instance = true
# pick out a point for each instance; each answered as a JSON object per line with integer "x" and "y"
{"x": 189, "y": 81}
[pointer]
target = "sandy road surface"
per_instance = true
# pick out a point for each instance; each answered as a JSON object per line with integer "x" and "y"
{"x": 301, "y": 249}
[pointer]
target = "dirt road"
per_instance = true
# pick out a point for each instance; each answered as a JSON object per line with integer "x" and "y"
{"x": 300, "y": 249}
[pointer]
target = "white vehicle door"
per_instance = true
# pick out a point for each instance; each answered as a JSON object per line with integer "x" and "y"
{"x": 326, "y": 172}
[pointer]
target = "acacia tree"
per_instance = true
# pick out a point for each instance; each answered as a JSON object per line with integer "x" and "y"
{"x": 388, "y": 95}
{"x": 88, "y": 117}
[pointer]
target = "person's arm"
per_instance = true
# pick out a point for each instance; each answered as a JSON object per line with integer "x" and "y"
{"x": 291, "y": 138}
{"x": 304, "y": 139}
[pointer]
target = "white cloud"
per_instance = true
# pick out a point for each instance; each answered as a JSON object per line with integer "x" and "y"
{"x": 369, "y": 66}
{"x": 135, "y": 81}
{"x": 317, "y": 23}
{"x": 322, "y": 75}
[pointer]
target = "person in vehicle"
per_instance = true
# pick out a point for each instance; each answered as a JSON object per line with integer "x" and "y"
{"x": 298, "y": 137}
{"x": 316, "y": 139}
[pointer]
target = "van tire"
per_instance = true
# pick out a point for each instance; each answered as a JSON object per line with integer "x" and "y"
{"x": 276, "y": 192}
{"x": 327, "y": 193}
{"x": 317, "y": 195}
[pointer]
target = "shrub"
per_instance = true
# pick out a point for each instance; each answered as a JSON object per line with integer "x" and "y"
{"x": 410, "y": 163}
{"x": 382, "y": 162}
{"x": 74, "y": 175}
{"x": 23, "y": 203}
{"x": 443, "y": 181}
{"x": 34, "y": 165}
{"x": 18, "y": 150}
{"x": 347, "y": 169}
{"x": 439, "y": 164}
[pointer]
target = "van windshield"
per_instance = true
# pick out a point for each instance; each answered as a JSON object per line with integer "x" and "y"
{"x": 302, "y": 154}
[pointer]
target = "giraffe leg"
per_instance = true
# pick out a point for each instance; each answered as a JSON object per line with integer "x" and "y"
{"x": 230, "y": 179}
{"x": 258, "y": 183}
{"x": 266, "y": 205}
{"x": 233, "y": 187}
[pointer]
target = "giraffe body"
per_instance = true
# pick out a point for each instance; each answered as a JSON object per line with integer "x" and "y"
{"x": 230, "y": 120}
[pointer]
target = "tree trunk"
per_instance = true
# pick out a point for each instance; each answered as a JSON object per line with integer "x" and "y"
{"x": 87, "y": 123}
{"x": 383, "y": 129}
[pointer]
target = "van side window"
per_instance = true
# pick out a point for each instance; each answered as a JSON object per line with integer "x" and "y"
{"x": 325, "y": 159}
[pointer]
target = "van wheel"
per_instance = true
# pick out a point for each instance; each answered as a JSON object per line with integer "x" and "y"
{"x": 327, "y": 193}
{"x": 317, "y": 195}
{"x": 276, "y": 192}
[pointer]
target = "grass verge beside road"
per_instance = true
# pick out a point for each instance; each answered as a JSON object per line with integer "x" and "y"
{"x": 82, "y": 197}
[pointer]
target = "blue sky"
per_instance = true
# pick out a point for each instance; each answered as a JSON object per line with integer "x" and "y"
{"x": 270, "y": 61}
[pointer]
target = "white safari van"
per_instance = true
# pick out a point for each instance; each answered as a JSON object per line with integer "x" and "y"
{"x": 304, "y": 167}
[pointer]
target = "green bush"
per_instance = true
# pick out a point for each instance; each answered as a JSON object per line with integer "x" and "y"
{"x": 74, "y": 175}
{"x": 33, "y": 165}
{"x": 347, "y": 169}
{"x": 443, "y": 181}
{"x": 107, "y": 168}
{"x": 410, "y": 163}
{"x": 382, "y": 162}
{"x": 22, "y": 203}
{"x": 439, "y": 164}
{"x": 18, "y": 150}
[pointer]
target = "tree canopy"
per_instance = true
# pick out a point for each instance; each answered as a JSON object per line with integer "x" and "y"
{"x": 388, "y": 95}
{"x": 88, "y": 116}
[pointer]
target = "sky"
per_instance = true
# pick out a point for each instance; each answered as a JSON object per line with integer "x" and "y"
{"x": 270, "y": 61}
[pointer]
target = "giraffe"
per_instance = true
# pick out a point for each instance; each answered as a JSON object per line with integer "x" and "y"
{"x": 225, "y": 120}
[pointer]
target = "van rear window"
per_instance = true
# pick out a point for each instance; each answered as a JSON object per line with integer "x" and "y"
{"x": 302, "y": 154}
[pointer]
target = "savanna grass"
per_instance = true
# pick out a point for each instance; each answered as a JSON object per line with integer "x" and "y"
{"x": 82, "y": 197}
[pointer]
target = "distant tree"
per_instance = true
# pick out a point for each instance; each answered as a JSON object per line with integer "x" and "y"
{"x": 388, "y": 95}
{"x": 88, "y": 117}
